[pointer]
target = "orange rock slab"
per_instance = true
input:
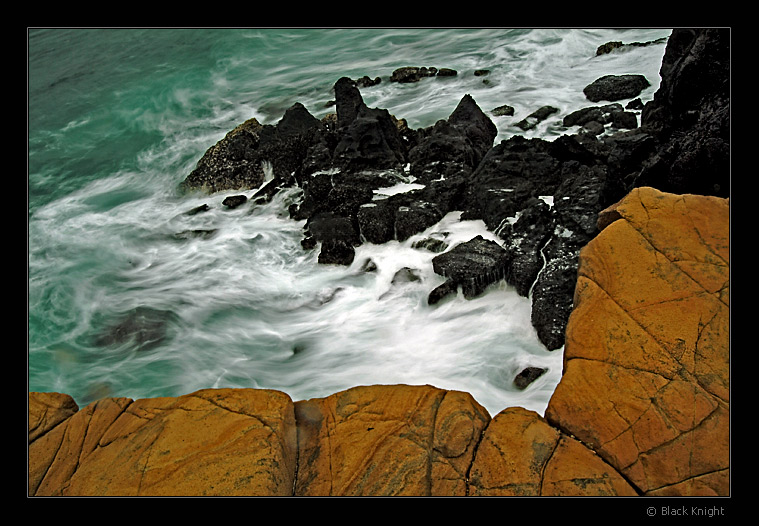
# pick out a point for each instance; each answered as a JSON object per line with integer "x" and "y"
{"x": 212, "y": 442}
{"x": 647, "y": 355}
{"x": 522, "y": 455}
{"x": 388, "y": 441}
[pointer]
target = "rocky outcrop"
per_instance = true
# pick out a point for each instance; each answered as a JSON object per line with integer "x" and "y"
{"x": 690, "y": 116}
{"x": 647, "y": 359}
{"x": 642, "y": 407}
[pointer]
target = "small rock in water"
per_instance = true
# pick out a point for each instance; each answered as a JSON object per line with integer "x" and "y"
{"x": 502, "y": 111}
{"x": 536, "y": 117}
{"x": 406, "y": 275}
{"x": 198, "y": 209}
{"x": 412, "y": 74}
{"x": 233, "y": 201}
{"x": 527, "y": 376}
{"x": 431, "y": 244}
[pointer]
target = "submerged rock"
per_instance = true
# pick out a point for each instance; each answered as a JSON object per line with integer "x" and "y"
{"x": 143, "y": 328}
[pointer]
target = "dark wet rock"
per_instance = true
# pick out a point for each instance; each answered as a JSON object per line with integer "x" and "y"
{"x": 412, "y": 74}
{"x": 523, "y": 242}
{"x": 618, "y": 45}
{"x": 369, "y": 138}
{"x": 690, "y": 115}
{"x": 198, "y": 209}
{"x": 472, "y": 265}
{"x": 414, "y": 219}
{"x": 635, "y": 104}
{"x": 233, "y": 201}
{"x": 616, "y": 87}
{"x": 584, "y": 192}
{"x": 337, "y": 252}
{"x": 328, "y": 226}
{"x": 454, "y": 146}
{"x": 346, "y": 197}
{"x": 602, "y": 114}
{"x": 376, "y": 222}
{"x": 337, "y": 234}
{"x": 627, "y": 151}
{"x": 239, "y": 161}
{"x": 142, "y": 328}
{"x": 511, "y": 172}
{"x": 504, "y": 110}
{"x": 431, "y": 244}
{"x": 481, "y": 72}
{"x": 475, "y": 124}
{"x": 624, "y": 119}
{"x": 442, "y": 291}
{"x": 368, "y": 266}
{"x": 447, "y": 72}
{"x": 527, "y": 376}
{"x": 552, "y": 293}
{"x": 366, "y": 81}
{"x": 536, "y": 117}
{"x": 608, "y": 47}
{"x": 593, "y": 128}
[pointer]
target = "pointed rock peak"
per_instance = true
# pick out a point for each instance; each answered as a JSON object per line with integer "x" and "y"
{"x": 348, "y": 101}
{"x": 296, "y": 120}
{"x": 468, "y": 112}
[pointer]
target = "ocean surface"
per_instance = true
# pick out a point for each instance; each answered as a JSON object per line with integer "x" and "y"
{"x": 117, "y": 118}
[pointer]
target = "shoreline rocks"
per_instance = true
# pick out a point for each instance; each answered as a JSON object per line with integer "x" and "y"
{"x": 642, "y": 408}
{"x": 681, "y": 146}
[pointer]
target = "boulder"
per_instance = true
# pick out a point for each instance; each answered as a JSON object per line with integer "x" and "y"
{"x": 239, "y": 161}
{"x": 646, "y": 360}
{"x": 616, "y": 87}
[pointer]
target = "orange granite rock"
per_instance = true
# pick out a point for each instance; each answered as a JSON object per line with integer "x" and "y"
{"x": 647, "y": 356}
{"x": 211, "y": 442}
{"x": 388, "y": 440}
{"x": 522, "y": 455}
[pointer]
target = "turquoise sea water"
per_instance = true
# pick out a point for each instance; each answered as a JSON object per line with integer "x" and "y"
{"x": 117, "y": 118}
